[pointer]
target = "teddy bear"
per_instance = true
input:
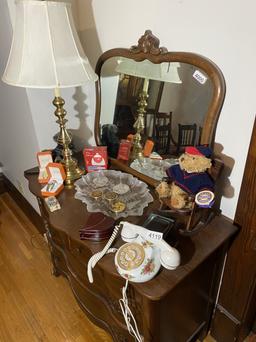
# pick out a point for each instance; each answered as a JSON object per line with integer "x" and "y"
{"x": 187, "y": 178}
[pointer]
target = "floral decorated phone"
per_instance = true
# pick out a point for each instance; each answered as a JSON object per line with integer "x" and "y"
{"x": 140, "y": 259}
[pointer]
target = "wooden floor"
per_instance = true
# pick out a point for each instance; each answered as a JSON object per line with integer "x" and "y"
{"x": 34, "y": 305}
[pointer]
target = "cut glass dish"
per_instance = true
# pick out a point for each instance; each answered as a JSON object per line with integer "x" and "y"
{"x": 133, "y": 193}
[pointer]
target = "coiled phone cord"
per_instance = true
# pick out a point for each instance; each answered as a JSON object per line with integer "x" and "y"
{"x": 96, "y": 257}
{"x": 128, "y": 316}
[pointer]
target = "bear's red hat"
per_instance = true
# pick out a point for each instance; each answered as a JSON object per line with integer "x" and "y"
{"x": 199, "y": 150}
{"x": 193, "y": 150}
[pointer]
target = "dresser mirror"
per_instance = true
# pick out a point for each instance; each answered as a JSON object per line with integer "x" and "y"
{"x": 184, "y": 91}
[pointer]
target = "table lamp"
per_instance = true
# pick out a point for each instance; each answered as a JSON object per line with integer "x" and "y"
{"x": 164, "y": 72}
{"x": 46, "y": 53}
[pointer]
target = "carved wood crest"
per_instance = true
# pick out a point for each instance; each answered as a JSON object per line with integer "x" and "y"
{"x": 148, "y": 43}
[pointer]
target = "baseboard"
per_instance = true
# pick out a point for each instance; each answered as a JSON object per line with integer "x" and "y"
{"x": 7, "y": 186}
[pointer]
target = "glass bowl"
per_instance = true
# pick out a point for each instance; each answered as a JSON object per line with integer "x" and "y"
{"x": 136, "y": 197}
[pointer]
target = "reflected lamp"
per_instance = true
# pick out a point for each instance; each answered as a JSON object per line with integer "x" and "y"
{"x": 164, "y": 72}
{"x": 46, "y": 53}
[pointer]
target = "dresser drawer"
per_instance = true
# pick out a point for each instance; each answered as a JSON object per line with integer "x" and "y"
{"x": 98, "y": 309}
{"x": 114, "y": 293}
{"x": 107, "y": 286}
{"x": 79, "y": 251}
{"x": 78, "y": 269}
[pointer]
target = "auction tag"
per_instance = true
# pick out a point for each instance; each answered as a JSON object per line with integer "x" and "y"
{"x": 200, "y": 77}
{"x": 153, "y": 236}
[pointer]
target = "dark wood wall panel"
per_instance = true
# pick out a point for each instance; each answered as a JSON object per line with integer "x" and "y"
{"x": 236, "y": 307}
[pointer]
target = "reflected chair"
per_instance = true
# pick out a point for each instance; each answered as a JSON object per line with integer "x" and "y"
{"x": 200, "y": 130}
{"x": 162, "y": 132}
{"x": 186, "y": 136}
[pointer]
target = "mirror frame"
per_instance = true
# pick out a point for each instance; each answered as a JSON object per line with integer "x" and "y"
{"x": 149, "y": 48}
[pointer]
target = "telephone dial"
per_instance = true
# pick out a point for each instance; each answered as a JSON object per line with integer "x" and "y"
{"x": 138, "y": 260}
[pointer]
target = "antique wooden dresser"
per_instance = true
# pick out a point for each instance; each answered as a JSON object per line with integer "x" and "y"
{"x": 174, "y": 306}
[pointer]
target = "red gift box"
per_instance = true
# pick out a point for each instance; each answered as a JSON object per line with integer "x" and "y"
{"x": 96, "y": 158}
{"x": 124, "y": 149}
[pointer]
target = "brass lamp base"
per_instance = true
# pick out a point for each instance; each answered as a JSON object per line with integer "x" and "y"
{"x": 73, "y": 172}
{"x": 137, "y": 150}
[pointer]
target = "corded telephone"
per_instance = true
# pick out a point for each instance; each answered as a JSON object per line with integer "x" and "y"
{"x": 138, "y": 260}
{"x": 141, "y": 257}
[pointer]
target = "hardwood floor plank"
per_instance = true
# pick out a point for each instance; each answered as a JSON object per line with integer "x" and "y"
{"x": 35, "y": 305}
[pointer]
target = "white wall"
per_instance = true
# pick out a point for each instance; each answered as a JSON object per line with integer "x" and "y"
{"x": 220, "y": 30}
{"x": 18, "y": 140}
{"x": 80, "y": 116}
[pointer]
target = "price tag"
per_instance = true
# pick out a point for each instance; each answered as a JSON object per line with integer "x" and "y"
{"x": 154, "y": 236}
{"x": 200, "y": 77}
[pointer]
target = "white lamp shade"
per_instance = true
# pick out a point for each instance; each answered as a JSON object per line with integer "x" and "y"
{"x": 46, "y": 51}
{"x": 165, "y": 72}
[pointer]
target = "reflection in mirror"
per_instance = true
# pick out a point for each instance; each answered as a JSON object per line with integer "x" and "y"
{"x": 173, "y": 107}
{"x": 132, "y": 102}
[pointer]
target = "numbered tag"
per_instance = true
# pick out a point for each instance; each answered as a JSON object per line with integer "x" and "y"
{"x": 154, "y": 236}
{"x": 200, "y": 77}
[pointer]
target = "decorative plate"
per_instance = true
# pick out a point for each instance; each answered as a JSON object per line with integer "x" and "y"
{"x": 129, "y": 190}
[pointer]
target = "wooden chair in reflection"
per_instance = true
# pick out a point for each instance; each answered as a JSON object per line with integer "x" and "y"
{"x": 186, "y": 137}
{"x": 162, "y": 132}
{"x": 200, "y": 129}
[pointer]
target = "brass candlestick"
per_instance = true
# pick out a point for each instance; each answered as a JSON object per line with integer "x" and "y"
{"x": 72, "y": 170}
{"x": 139, "y": 126}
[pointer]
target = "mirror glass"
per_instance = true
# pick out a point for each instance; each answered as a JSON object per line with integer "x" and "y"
{"x": 168, "y": 103}
{"x": 155, "y": 99}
